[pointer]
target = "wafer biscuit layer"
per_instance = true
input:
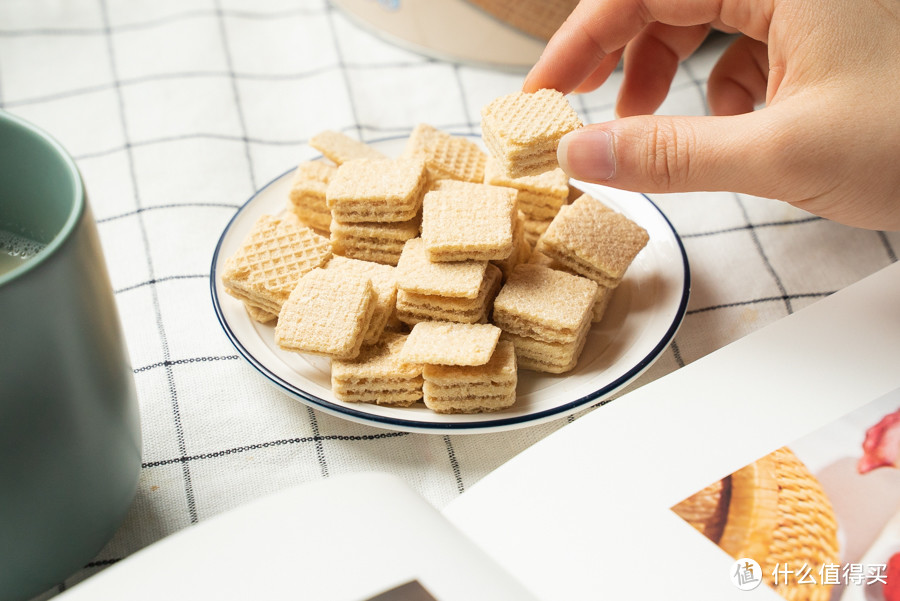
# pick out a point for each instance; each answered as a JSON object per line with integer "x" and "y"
{"x": 593, "y": 240}
{"x": 413, "y": 308}
{"x": 451, "y": 234}
{"x": 415, "y": 273}
{"x": 328, "y": 313}
{"x": 470, "y": 389}
{"x": 378, "y": 375}
{"x": 384, "y": 284}
{"x": 377, "y": 190}
{"x": 341, "y": 148}
{"x": 445, "y": 343}
{"x": 544, "y": 299}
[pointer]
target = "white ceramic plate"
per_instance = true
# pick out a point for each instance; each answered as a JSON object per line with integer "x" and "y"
{"x": 643, "y": 315}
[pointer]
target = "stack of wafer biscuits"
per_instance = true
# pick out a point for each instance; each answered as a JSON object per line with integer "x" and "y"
{"x": 467, "y": 369}
{"x": 522, "y": 131}
{"x": 446, "y": 156}
{"x": 592, "y": 240}
{"x": 604, "y": 294}
{"x": 270, "y": 262}
{"x": 375, "y": 206}
{"x": 546, "y": 314}
{"x": 378, "y": 375}
{"x": 307, "y": 195}
{"x": 461, "y": 291}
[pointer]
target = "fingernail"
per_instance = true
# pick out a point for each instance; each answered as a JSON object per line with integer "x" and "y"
{"x": 587, "y": 154}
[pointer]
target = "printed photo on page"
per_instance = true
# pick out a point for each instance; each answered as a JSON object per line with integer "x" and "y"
{"x": 818, "y": 519}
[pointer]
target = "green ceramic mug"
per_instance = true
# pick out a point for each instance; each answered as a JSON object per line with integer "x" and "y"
{"x": 70, "y": 447}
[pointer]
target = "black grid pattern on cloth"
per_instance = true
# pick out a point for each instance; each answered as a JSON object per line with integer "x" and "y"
{"x": 177, "y": 112}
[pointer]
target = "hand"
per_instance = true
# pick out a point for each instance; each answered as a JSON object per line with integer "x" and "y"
{"x": 828, "y": 71}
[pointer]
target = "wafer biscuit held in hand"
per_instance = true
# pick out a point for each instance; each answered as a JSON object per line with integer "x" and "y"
{"x": 377, "y": 190}
{"x": 378, "y": 375}
{"x": 271, "y": 260}
{"x": 341, "y": 148}
{"x": 446, "y": 156}
{"x": 523, "y": 130}
{"x": 474, "y": 224}
{"x": 307, "y": 195}
{"x": 328, "y": 313}
{"x": 593, "y": 240}
{"x": 473, "y": 389}
{"x": 445, "y": 343}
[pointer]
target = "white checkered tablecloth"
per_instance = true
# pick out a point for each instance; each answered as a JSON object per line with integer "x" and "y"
{"x": 176, "y": 111}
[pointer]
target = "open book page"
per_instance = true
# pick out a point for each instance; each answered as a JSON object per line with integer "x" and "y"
{"x": 586, "y": 513}
{"x": 359, "y": 537}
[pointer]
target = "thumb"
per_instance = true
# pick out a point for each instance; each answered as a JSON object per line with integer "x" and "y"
{"x": 674, "y": 154}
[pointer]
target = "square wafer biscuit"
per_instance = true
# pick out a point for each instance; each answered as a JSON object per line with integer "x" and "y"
{"x": 523, "y": 130}
{"x": 271, "y": 260}
{"x": 445, "y": 343}
{"x": 328, "y": 313}
{"x": 604, "y": 294}
{"x": 415, "y": 273}
{"x": 378, "y": 242}
{"x": 544, "y": 303}
{"x": 307, "y": 194}
{"x": 450, "y": 232}
{"x": 384, "y": 284}
{"x": 593, "y": 240}
{"x": 378, "y": 375}
{"x": 377, "y": 190}
{"x": 413, "y": 308}
{"x": 341, "y": 148}
{"x": 447, "y": 156}
{"x": 473, "y": 389}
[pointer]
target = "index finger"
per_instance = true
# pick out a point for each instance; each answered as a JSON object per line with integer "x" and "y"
{"x": 597, "y": 28}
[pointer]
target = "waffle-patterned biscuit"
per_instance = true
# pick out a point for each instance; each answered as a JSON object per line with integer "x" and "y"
{"x": 328, "y": 313}
{"x": 445, "y": 343}
{"x": 307, "y": 194}
{"x": 415, "y": 273}
{"x": 452, "y": 234}
{"x": 271, "y": 260}
{"x": 447, "y": 156}
{"x": 473, "y": 389}
{"x": 544, "y": 303}
{"x": 377, "y": 190}
{"x": 523, "y": 130}
{"x": 378, "y": 375}
{"x": 341, "y": 148}
{"x": 384, "y": 284}
{"x": 593, "y": 240}
{"x": 413, "y": 307}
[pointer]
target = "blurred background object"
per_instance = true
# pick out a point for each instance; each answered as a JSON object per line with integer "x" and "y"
{"x": 502, "y": 34}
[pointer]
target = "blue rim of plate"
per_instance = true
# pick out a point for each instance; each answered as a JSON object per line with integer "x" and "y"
{"x": 448, "y": 427}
